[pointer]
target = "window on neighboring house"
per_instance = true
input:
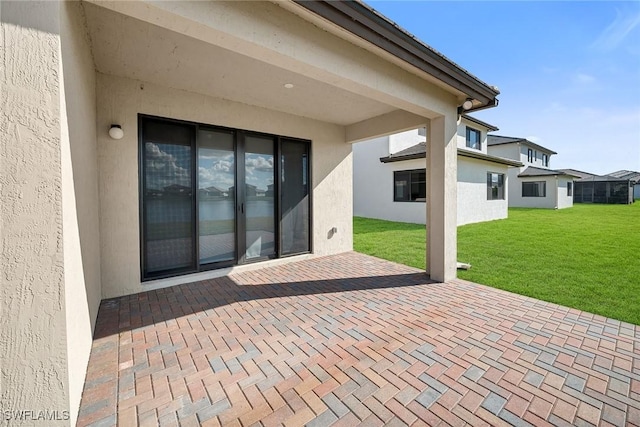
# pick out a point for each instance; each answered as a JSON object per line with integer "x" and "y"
{"x": 410, "y": 186}
{"x": 545, "y": 160}
{"x": 530, "y": 157}
{"x": 473, "y": 139}
{"x": 534, "y": 189}
{"x": 495, "y": 186}
{"x": 569, "y": 188}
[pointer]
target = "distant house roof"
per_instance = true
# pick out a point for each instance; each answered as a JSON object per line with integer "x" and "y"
{"x": 500, "y": 140}
{"x": 491, "y": 128}
{"x": 419, "y": 151}
{"x": 625, "y": 174}
{"x": 533, "y": 171}
{"x": 579, "y": 174}
{"x": 603, "y": 178}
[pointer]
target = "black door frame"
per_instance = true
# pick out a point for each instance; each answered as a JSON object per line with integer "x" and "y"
{"x": 239, "y": 136}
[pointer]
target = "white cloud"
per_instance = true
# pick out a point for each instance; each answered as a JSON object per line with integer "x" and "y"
{"x": 582, "y": 78}
{"x": 612, "y": 36}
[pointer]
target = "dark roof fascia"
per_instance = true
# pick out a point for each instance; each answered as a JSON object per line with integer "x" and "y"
{"x": 546, "y": 172}
{"x": 491, "y": 128}
{"x": 488, "y": 158}
{"x": 461, "y": 152}
{"x": 604, "y": 178}
{"x": 390, "y": 159}
{"x": 364, "y": 22}
{"x": 521, "y": 141}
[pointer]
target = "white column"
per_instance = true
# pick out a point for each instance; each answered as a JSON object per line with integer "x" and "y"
{"x": 442, "y": 171}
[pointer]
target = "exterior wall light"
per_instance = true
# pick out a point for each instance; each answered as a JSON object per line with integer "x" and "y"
{"x": 115, "y": 132}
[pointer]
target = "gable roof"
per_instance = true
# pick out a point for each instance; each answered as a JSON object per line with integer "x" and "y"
{"x": 419, "y": 151}
{"x": 501, "y": 140}
{"x": 626, "y": 174}
{"x": 491, "y": 128}
{"x": 579, "y": 174}
{"x": 364, "y": 22}
{"x": 533, "y": 171}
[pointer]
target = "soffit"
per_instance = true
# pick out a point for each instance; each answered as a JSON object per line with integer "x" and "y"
{"x": 127, "y": 47}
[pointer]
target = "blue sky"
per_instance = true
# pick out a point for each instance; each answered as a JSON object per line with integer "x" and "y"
{"x": 568, "y": 72}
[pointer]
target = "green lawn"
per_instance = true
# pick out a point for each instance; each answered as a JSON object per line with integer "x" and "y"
{"x": 587, "y": 257}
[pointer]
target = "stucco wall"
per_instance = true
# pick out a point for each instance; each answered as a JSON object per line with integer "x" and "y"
{"x": 515, "y": 191}
{"x": 508, "y": 151}
{"x": 564, "y": 200}
{"x": 473, "y": 205}
{"x": 373, "y": 184}
{"x": 79, "y": 196}
{"x": 373, "y": 187}
{"x": 461, "y": 135}
{"x": 33, "y": 344}
{"x": 119, "y": 100}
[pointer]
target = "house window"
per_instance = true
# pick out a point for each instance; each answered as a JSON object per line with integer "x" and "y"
{"x": 534, "y": 189}
{"x": 545, "y": 160}
{"x": 569, "y": 188}
{"x": 530, "y": 157}
{"x": 473, "y": 139}
{"x": 409, "y": 186}
{"x": 495, "y": 186}
{"x": 213, "y": 197}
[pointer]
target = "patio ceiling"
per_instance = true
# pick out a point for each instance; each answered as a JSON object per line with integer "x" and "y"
{"x": 128, "y": 47}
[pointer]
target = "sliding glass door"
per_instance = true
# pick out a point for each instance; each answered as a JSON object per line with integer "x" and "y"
{"x": 214, "y": 197}
{"x": 259, "y": 206}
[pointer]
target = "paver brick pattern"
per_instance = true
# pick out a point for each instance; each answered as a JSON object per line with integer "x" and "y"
{"x": 351, "y": 339}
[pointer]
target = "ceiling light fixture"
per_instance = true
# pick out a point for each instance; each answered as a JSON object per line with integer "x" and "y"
{"x": 288, "y": 85}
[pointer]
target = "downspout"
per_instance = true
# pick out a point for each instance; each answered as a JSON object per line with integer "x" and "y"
{"x": 556, "y": 192}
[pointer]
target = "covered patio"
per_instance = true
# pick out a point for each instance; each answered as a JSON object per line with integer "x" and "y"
{"x": 350, "y": 339}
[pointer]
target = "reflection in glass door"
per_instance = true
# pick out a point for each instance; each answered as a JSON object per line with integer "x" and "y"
{"x": 258, "y": 197}
{"x": 216, "y": 196}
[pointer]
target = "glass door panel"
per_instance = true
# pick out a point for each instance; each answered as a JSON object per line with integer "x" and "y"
{"x": 258, "y": 197}
{"x": 216, "y": 196}
{"x": 294, "y": 197}
{"x": 167, "y": 199}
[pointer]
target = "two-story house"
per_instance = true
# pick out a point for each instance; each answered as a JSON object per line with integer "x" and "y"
{"x": 390, "y": 178}
{"x": 534, "y": 184}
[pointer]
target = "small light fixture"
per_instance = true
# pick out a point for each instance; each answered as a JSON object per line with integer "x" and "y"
{"x": 115, "y": 132}
{"x": 467, "y": 104}
{"x": 288, "y": 85}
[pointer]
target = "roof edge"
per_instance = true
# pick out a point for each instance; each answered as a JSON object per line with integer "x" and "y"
{"x": 363, "y": 21}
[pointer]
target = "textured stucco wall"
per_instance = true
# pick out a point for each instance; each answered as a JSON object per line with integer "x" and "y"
{"x": 508, "y": 151}
{"x": 473, "y": 205}
{"x": 461, "y": 136}
{"x": 33, "y": 344}
{"x": 515, "y": 192}
{"x": 373, "y": 187}
{"x": 564, "y": 200}
{"x": 79, "y": 196}
{"x": 119, "y": 100}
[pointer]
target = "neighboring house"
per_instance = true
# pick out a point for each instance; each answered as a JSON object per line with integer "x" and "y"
{"x": 535, "y": 184}
{"x": 615, "y": 188}
{"x": 389, "y": 176}
{"x": 104, "y": 104}
{"x": 633, "y": 177}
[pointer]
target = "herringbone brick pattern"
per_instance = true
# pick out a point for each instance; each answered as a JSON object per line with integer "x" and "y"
{"x": 350, "y": 339}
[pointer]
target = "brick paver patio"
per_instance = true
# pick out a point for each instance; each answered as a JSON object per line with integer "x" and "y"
{"x": 351, "y": 339}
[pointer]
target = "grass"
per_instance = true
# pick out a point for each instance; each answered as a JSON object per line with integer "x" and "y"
{"x": 586, "y": 257}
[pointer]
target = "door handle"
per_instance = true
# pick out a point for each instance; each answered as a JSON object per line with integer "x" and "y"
{"x": 241, "y": 207}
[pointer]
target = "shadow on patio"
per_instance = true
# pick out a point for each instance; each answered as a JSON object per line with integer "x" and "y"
{"x": 351, "y": 339}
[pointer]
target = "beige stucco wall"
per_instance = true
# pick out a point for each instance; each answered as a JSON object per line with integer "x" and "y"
{"x": 33, "y": 344}
{"x": 120, "y": 100}
{"x": 473, "y": 205}
{"x": 79, "y": 196}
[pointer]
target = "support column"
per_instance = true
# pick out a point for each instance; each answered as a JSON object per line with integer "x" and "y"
{"x": 33, "y": 344}
{"x": 442, "y": 178}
